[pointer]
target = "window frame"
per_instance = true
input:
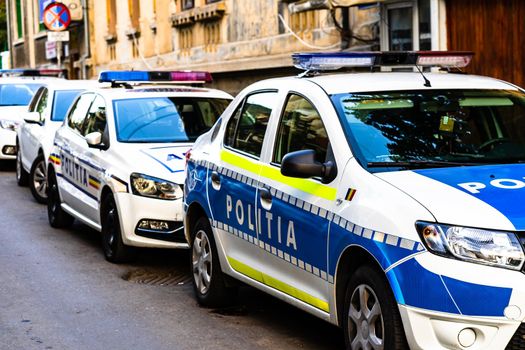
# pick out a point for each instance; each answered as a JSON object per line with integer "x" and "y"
{"x": 241, "y": 106}
{"x": 67, "y": 120}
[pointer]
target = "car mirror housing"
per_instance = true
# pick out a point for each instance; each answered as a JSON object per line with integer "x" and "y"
{"x": 302, "y": 164}
{"x": 32, "y": 118}
{"x": 94, "y": 140}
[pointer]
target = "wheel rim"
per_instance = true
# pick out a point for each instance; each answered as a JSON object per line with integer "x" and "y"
{"x": 202, "y": 262}
{"x": 365, "y": 320}
{"x": 39, "y": 179}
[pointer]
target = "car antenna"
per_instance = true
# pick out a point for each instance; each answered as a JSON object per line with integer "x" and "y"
{"x": 427, "y": 82}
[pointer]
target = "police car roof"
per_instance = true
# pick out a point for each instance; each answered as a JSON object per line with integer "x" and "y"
{"x": 392, "y": 81}
{"x": 155, "y": 90}
{"x": 63, "y": 84}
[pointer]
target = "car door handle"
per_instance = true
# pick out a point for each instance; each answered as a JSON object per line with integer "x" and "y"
{"x": 215, "y": 178}
{"x": 265, "y": 194}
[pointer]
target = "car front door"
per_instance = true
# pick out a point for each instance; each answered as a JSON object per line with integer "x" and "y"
{"x": 31, "y": 132}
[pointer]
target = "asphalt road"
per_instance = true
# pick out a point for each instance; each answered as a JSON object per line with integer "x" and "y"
{"x": 58, "y": 292}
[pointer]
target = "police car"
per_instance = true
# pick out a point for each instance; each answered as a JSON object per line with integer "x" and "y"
{"x": 35, "y": 135}
{"x": 388, "y": 203}
{"x": 117, "y": 163}
{"x": 17, "y": 87}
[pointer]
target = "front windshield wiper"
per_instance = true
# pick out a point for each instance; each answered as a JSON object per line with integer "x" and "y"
{"x": 418, "y": 164}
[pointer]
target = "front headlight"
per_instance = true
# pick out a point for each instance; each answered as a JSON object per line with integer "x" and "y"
{"x": 496, "y": 248}
{"x": 148, "y": 186}
{"x": 9, "y": 124}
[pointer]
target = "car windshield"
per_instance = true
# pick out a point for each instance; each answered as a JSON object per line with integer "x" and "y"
{"x": 17, "y": 94}
{"x": 166, "y": 119}
{"x": 61, "y": 103}
{"x": 428, "y": 128}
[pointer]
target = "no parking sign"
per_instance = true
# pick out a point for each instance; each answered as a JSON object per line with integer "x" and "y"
{"x": 57, "y": 17}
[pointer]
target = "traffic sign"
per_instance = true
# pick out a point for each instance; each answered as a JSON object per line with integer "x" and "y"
{"x": 58, "y": 36}
{"x": 57, "y": 17}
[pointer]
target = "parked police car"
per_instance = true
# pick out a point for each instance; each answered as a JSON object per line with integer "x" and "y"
{"x": 117, "y": 163}
{"x": 389, "y": 203}
{"x": 35, "y": 136}
{"x": 17, "y": 87}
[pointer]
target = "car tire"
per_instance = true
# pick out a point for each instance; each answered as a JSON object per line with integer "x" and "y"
{"x": 371, "y": 317}
{"x": 22, "y": 177}
{"x": 38, "y": 179}
{"x": 114, "y": 248}
{"x": 56, "y": 216}
{"x": 209, "y": 283}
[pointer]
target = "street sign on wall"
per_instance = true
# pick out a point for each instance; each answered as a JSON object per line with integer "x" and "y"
{"x": 51, "y": 50}
{"x": 58, "y": 36}
{"x": 57, "y": 17}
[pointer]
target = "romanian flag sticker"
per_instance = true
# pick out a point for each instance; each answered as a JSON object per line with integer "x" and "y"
{"x": 94, "y": 182}
{"x": 55, "y": 159}
{"x": 350, "y": 194}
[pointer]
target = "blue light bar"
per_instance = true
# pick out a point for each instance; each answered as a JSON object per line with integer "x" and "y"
{"x": 337, "y": 60}
{"x": 154, "y": 76}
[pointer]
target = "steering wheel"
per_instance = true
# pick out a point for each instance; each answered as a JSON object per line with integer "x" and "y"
{"x": 492, "y": 142}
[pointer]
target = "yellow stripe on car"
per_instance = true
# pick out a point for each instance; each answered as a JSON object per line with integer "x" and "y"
{"x": 279, "y": 285}
{"x": 305, "y": 185}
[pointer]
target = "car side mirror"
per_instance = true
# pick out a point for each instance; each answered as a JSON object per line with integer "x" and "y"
{"x": 302, "y": 164}
{"x": 32, "y": 118}
{"x": 94, "y": 140}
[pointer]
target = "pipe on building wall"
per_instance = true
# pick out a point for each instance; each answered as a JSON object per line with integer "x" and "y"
{"x": 9, "y": 42}
{"x": 87, "y": 45}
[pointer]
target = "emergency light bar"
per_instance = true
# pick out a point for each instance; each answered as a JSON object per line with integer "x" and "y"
{"x": 19, "y": 72}
{"x": 337, "y": 60}
{"x": 155, "y": 77}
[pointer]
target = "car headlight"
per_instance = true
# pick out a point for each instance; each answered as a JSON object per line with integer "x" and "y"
{"x": 9, "y": 124}
{"x": 148, "y": 186}
{"x": 496, "y": 248}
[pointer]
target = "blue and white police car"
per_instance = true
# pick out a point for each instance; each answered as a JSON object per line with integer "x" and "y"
{"x": 388, "y": 203}
{"x": 117, "y": 163}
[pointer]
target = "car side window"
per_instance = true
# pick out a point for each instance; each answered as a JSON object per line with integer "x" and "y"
{"x": 42, "y": 102}
{"x": 246, "y": 129}
{"x": 78, "y": 112}
{"x": 301, "y": 128}
{"x": 95, "y": 120}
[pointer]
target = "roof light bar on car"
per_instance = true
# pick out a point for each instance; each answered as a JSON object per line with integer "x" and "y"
{"x": 337, "y": 60}
{"x": 19, "y": 72}
{"x": 155, "y": 77}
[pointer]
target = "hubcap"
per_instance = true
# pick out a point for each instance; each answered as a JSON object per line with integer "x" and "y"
{"x": 202, "y": 262}
{"x": 39, "y": 179}
{"x": 365, "y": 320}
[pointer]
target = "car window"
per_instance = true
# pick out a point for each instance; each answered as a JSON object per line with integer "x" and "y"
{"x": 61, "y": 103}
{"x": 95, "y": 120}
{"x": 78, "y": 112}
{"x": 17, "y": 94}
{"x": 246, "y": 129}
{"x": 42, "y": 102}
{"x": 300, "y": 128}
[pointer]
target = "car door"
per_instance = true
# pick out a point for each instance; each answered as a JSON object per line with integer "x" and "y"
{"x": 232, "y": 181}
{"x": 92, "y": 159}
{"x": 73, "y": 182}
{"x": 32, "y": 132}
{"x": 296, "y": 213}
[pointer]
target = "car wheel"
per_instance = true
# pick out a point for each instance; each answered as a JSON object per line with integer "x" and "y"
{"x": 38, "y": 181}
{"x": 114, "y": 248}
{"x": 371, "y": 317}
{"x": 57, "y": 217}
{"x": 209, "y": 283}
{"x": 21, "y": 175}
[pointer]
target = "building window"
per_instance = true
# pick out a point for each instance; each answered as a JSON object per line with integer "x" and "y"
{"x": 188, "y": 4}
{"x": 134, "y": 13}
{"x": 111, "y": 15}
{"x": 212, "y": 1}
{"x": 400, "y": 28}
{"x": 19, "y": 32}
{"x": 112, "y": 52}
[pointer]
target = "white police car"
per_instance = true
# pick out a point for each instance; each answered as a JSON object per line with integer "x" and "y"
{"x": 388, "y": 203}
{"x": 117, "y": 163}
{"x": 17, "y": 87}
{"x": 34, "y": 141}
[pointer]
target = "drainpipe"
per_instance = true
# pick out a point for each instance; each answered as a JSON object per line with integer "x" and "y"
{"x": 9, "y": 42}
{"x": 87, "y": 44}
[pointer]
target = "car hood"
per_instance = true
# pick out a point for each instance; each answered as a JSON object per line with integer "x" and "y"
{"x": 13, "y": 112}
{"x": 489, "y": 196}
{"x": 165, "y": 161}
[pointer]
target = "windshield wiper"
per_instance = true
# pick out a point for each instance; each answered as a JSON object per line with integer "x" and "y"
{"x": 418, "y": 164}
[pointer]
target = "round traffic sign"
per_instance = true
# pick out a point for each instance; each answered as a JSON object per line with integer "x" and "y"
{"x": 57, "y": 17}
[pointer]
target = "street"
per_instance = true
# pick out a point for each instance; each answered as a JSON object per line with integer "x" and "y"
{"x": 58, "y": 292}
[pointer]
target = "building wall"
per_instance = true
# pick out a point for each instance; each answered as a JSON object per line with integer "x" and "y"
{"x": 495, "y": 31}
